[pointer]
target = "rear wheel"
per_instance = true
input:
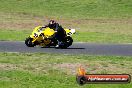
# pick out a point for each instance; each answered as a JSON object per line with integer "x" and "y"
{"x": 29, "y": 43}
{"x": 66, "y": 42}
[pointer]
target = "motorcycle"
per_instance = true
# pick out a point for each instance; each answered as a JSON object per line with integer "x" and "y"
{"x": 44, "y": 37}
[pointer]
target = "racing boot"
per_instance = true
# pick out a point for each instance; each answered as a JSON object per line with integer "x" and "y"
{"x": 59, "y": 43}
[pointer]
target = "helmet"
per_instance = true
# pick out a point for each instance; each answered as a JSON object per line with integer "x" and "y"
{"x": 51, "y": 22}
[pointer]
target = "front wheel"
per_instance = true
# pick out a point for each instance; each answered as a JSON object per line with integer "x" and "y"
{"x": 29, "y": 43}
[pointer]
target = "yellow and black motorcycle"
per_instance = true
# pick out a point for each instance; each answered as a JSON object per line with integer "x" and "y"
{"x": 44, "y": 37}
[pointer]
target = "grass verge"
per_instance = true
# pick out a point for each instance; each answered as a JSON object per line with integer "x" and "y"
{"x": 13, "y": 35}
{"x": 106, "y": 21}
{"x": 70, "y": 9}
{"x": 93, "y": 37}
{"x": 40, "y": 70}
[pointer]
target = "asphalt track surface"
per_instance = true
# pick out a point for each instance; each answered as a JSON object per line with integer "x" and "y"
{"x": 76, "y": 48}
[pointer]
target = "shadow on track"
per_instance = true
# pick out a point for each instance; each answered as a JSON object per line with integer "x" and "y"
{"x": 71, "y": 48}
{"x": 66, "y": 48}
{"x": 75, "y": 48}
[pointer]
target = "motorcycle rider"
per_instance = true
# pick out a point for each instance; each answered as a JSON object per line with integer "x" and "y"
{"x": 59, "y": 31}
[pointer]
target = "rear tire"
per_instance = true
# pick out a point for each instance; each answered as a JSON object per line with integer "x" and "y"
{"x": 29, "y": 43}
{"x": 66, "y": 42}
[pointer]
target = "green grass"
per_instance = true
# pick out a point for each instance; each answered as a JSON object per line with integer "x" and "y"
{"x": 96, "y": 37}
{"x": 40, "y": 70}
{"x": 98, "y": 21}
{"x": 70, "y": 9}
{"x": 13, "y": 35}
{"x": 92, "y": 37}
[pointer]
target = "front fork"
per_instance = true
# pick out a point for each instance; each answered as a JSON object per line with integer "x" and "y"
{"x": 42, "y": 42}
{"x": 34, "y": 39}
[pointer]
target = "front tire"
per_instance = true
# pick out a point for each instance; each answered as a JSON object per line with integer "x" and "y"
{"x": 29, "y": 43}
